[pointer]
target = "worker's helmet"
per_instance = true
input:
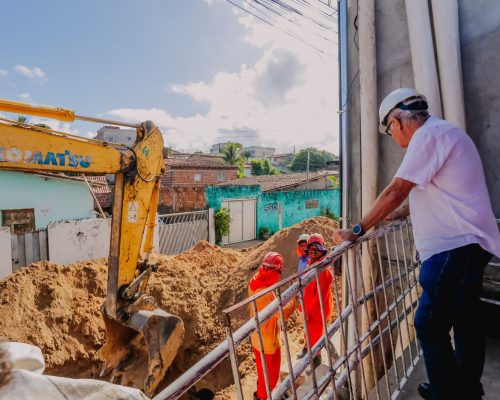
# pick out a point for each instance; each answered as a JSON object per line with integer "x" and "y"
{"x": 273, "y": 261}
{"x": 319, "y": 240}
{"x": 303, "y": 238}
{"x": 402, "y": 98}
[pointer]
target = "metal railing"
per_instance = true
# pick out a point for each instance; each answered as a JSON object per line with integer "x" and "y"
{"x": 491, "y": 282}
{"x": 375, "y": 298}
{"x": 181, "y": 231}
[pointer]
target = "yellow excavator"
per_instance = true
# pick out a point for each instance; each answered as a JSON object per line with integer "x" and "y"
{"x": 141, "y": 339}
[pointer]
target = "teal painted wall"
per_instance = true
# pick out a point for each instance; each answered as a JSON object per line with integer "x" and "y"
{"x": 52, "y": 199}
{"x": 293, "y": 206}
{"x": 293, "y": 203}
{"x": 216, "y": 194}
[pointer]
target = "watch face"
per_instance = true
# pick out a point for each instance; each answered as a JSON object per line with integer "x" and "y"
{"x": 356, "y": 229}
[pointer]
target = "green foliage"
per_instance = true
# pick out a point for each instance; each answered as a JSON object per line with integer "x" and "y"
{"x": 247, "y": 154}
{"x": 231, "y": 153}
{"x": 263, "y": 167}
{"x": 317, "y": 159}
{"x": 326, "y": 212}
{"x": 45, "y": 126}
{"x": 222, "y": 219}
{"x": 241, "y": 170}
{"x": 264, "y": 232}
{"x": 334, "y": 179}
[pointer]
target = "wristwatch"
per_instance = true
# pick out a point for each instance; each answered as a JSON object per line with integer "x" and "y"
{"x": 358, "y": 230}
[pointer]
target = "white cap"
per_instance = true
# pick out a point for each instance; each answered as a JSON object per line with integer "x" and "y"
{"x": 392, "y": 100}
{"x": 303, "y": 237}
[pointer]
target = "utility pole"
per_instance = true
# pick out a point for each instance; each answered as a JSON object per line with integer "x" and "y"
{"x": 308, "y": 157}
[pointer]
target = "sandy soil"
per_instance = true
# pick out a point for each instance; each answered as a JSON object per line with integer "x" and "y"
{"x": 57, "y": 307}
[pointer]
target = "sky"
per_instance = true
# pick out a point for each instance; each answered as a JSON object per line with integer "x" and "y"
{"x": 204, "y": 71}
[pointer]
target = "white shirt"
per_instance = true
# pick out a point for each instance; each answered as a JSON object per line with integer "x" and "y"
{"x": 450, "y": 206}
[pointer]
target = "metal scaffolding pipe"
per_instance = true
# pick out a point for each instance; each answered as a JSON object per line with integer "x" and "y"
{"x": 422, "y": 53}
{"x": 447, "y": 35}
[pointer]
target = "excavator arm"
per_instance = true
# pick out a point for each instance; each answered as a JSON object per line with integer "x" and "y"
{"x": 127, "y": 310}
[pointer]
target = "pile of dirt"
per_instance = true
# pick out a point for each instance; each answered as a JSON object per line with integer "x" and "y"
{"x": 285, "y": 242}
{"x": 57, "y": 307}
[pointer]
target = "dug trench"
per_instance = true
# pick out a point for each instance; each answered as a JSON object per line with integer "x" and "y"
{"x": 57, "y": 307}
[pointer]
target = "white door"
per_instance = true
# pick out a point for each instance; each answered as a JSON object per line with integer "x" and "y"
{"x": 249, "y": 219}
{"x": 242, "y": 220}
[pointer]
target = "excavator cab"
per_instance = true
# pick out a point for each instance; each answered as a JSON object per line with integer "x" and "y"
{"x": 142, "y": 339}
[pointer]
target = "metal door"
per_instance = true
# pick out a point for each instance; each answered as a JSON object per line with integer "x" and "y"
{"x": 249, "y": 219}
{"x": 242, "y": 220}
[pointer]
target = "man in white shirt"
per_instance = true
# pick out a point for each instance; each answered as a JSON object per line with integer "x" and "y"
{"x": 455, "y": 234}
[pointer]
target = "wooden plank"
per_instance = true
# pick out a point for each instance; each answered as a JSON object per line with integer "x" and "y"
{"x": 36, "y": 246}
{"x": 28, "y": 248}
{"x": 42, "y": 237}
{"x": 21, "y": 252}
{"x": 15, "y": 252}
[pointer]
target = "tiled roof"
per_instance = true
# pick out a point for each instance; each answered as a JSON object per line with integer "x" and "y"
{"x": 270, "y": 183}
{"x": 198, "y": 162}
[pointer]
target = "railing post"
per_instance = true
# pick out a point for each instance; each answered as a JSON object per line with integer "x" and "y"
{"x": 234, "y": 358}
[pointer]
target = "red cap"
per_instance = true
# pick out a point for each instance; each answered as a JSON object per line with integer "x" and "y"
{"x": 273, "y": 260}
{"x": 318, "y": 239}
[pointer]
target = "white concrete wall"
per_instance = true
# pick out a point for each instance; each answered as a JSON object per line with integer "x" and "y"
{"x": 75, "y": 241}
{"x": 5, "y": 253}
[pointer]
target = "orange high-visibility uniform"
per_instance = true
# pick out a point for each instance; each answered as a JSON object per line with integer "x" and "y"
{"x": 312, "y": 303}
{"x": 270, "y": 331}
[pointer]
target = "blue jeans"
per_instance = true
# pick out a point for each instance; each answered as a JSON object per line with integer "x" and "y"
{"x": 451, "y": 283}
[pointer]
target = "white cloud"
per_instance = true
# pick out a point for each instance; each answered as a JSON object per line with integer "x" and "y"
{"x": 287, "y": 98}
{"x": 35, "y": 73}
{"x": 25, "y": 97}
{"x": 209, "y": 2}
{"x": 3, "y": 73}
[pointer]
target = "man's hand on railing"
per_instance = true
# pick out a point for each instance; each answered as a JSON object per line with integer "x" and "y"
{"x": 344, "y": 235}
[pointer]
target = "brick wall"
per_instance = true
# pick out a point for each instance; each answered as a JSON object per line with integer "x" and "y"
{"x": 181, "y": 198}
{"x": 180, "y": 192}
{"x": 176, "y": 177}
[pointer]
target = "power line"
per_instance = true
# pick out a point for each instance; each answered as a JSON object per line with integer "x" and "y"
{"x": 275, "y": 8}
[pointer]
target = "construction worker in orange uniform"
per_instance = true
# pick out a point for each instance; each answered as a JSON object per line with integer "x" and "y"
{"x": 316, "y": 248}
{"x": 301, "y": 251}
{"x": 268, "y": 274}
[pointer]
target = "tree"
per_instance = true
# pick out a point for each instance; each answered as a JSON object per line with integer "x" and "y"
{"x": 317, "y": 159}
{"x": 22, "y": 119}
{"x": 263, "y": 167}
{"x": 334, "y": 179}
{"x": 231, "y": 153}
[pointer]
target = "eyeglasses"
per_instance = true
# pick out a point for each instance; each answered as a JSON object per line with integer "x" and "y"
{"x": 388, "y": 129}
{"x": 314, "y": 249}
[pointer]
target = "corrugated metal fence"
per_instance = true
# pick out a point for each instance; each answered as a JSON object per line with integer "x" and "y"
{"x": 178, "y": 232}
{"x": 28, "y": 248}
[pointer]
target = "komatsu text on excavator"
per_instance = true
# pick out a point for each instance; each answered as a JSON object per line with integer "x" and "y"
{"x": 141, "y": 339}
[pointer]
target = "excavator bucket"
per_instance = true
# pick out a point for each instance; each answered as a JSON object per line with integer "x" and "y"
{"x": 139, "y": 351}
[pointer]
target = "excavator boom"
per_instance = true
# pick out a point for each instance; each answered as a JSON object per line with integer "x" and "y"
{"x": 141, "y": 339}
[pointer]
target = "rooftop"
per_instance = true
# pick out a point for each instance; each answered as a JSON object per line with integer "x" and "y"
{"x": 271, "y": 183}
{"x": 197, "y": 161}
